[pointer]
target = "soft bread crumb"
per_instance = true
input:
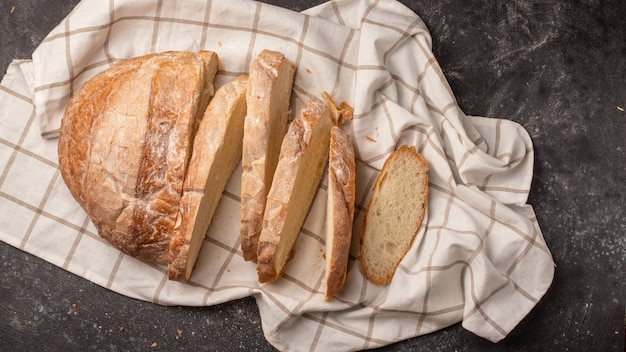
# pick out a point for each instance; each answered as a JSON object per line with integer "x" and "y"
{"x": 394, "y": 214}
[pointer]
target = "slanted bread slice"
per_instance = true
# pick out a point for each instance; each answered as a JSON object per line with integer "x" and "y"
{"x": 125, "y": 141}
{"x": 394, "y": 214}
{"x": 303, "y": 156}
{"x": 269, "y": 93}
{"x": 216, "y": 153}
{"x": 339, "y": 209}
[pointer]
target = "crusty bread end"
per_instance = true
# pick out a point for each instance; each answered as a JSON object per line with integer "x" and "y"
{"x": 125, "y": 141}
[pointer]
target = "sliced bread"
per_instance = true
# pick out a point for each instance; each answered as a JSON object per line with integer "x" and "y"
{"x": 394, "y": 214}
{"x": 216, "y": 153}
{"x": 303, "y": 157}
{"x": 339, "y": 209}
{"x": 269, "y": 92}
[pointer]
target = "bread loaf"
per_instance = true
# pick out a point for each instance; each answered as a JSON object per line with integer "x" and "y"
{"x": 269, "y": 91}
{"x": 339, "y": 209}
{"x": 125, "y": 141}
{"x": 394, "y": 214}
{"x": 216, "y": 153}
{"x": 303, "y": 157}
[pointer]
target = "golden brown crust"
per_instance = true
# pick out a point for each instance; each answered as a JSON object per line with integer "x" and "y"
{"x": 269, "y": 91}
{"x": 340, "y": 209}
{"x": 303, "y": 155}
{"x": 74, "y": 142}
{"x": 372, "y": 256}
{"x": 216, "y": 153}
{"x": 124, "y": 145}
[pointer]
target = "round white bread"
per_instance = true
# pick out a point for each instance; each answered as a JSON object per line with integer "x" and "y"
{"x": 125, "y": 141}
{"x": 394, "y": 214}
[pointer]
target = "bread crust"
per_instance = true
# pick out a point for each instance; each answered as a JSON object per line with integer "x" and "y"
{"x": 124, "y": 145}
{"x": 269, "y": 90}
{"x": 216, "y": 153}
{"x": 340, "y": 209}
{"x": 370, "y": 254}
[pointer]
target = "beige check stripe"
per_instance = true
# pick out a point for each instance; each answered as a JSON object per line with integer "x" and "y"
{"x": 480, "y": 260}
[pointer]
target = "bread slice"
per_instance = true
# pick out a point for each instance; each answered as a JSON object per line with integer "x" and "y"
{"x": 216, "y": 153}
{"x": 269, "y": 93}
{"x": 125, "y": 141}
{"x": 303, "y": 157}
{"x": 394, "y": 214}
{"x": 339, "y": 209}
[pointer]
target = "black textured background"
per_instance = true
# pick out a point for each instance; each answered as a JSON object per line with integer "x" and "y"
{"x": 556, "y": 67}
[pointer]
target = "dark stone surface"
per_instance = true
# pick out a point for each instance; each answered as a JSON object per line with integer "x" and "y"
{"x": 556, "y": 67}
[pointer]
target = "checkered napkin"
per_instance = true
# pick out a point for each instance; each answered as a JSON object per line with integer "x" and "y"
{"x": 480, "y": 260}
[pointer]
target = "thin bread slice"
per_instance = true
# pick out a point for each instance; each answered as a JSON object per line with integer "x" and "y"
{"x": 394, "y": 214}
{"x": 269, "y": 93}
{"x": 216, "y": 153}
{"x": 339, "y": 209}
{"x": 303, "y": 157}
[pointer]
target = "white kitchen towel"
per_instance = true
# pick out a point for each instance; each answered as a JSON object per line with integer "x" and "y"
{"x": 481, "y": 258}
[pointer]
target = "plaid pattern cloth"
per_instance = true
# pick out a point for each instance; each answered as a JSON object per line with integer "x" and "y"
{"x": 480, "y": 260}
